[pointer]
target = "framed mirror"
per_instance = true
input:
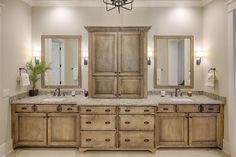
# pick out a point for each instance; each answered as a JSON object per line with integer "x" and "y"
{"x": 173, "y": 61}
{"x": 64, "y": 54}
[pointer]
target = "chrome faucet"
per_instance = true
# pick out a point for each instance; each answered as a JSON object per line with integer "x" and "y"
{"x": 178, "y": 92}
{"x": 57, "y": 92}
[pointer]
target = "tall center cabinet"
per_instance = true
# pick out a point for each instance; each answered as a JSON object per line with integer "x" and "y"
{"x": 117, "y": 62}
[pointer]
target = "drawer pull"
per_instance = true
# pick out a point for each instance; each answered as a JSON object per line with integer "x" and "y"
{"x": 24, "y": 108}
{"x": 88, "y": 122}
{"x": 59, "y": 108}
{"x": 165, "y": 109}
{"x": 210, "y": 109}
{"x": 88, "y": 140}
{"x": 107, "y": 122}
{"x": 127, "y": 110}
{"x": 146, "y": 110}
{"x": 127, "y": 122}
{"x": 146, "y": 122}
{"x": 88, "y": 110}
{"x": 107, "y": 110}
{"x": 69, "y": 109}
{"x": 107, "y": 140}
{"x": 146, "y": 140}
{"x": 127, "y": 140}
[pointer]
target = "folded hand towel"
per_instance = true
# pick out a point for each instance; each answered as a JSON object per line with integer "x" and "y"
{"x": 75, "y": 74}
{"x": 210, "y": 82}
{"x": 24, "y": 79}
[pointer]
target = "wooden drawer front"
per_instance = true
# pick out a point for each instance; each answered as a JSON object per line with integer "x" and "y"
{"x": 136, "y": 139}
{"x": 136, "y": 110}
{"x": 97, "y": 110}
{"x": 98, "y": 122}
{"x": 69, "y": 108}
{"x": 166, "y": 108}
{"x": 188, "y": 108}
{"x": 211, "y": 108}
{"x": 97, "y": 139}
{"x": 136, "y": 122}
{"x": 47, "y": 108}
{"x": 24, "y": 108}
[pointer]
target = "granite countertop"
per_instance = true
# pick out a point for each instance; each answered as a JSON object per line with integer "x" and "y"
{"x": 152, "y": 100}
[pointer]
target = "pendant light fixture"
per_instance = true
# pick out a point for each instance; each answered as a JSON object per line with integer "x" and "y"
{"x": 112, "y": 4}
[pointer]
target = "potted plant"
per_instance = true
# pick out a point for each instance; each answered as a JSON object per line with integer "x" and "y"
{"x": 35, "y": 71}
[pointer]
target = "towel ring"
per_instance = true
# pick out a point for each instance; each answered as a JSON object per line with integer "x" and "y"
{"x": 23, "y": 69}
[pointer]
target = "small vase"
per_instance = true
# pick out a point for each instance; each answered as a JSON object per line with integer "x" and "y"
{"x": 33, "y": 92}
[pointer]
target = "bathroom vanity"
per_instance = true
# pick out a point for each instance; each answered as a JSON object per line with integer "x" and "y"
{"x": 117, "y": 124}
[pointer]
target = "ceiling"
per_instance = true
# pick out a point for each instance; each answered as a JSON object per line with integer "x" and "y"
{"x": 137, "y": 3}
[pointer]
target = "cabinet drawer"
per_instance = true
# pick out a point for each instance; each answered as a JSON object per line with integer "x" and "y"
{"x": 97, "y": 110}
{"x": 210, "y": 108}
{"x": 188, "y": 108}
{"x": 165, "y": 108}
{"x": 69, "y": 108}
{"x": 136, "y": 122}
{"x": 24, "y": 108}
{"x": 98, "y": 122}
{"x": 47, "y": 108}
{"x": 97, "y": 139}
{"x": 136, "y": 110}
{"x": 136, "y": 139}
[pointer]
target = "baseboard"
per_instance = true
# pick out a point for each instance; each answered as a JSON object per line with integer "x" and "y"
{"x": 226, "y": 148}
{"x": 6, "y": 148}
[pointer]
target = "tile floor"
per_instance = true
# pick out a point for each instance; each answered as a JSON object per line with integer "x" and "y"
{"x": 74, "y": 153}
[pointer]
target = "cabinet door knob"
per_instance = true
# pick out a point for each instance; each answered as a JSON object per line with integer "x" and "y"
{"x": 107, "y": 122}
{"x": 107, "y": 140}
{"x": 127, "y": 140}
{"x": 88, "y": 140}
{"x": 146, "y": 140}
{"x": 59, "y": 108}
{"x": 88, "y": 122}
{"x": 107, "y": 110}
{"x": 146, "y": 122}
{"x": 127, "y": 122}
{"x": 88, "y": 110}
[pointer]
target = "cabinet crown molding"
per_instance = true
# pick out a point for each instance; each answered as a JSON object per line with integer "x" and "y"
{"x": 116, "y": 29}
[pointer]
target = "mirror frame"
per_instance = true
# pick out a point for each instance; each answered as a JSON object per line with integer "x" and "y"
{"x": 191, "y": 37}
{"x": 79, "y": 37}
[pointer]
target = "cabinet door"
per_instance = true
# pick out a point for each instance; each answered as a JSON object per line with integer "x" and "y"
{"x": 104, "y": 53}
{"x": 63, "y": 129}
{"x": 131, "y": 45}
{"x": 130, "y": 87}
{"x": 203, "y": 129}
{"x": 104, "y": 87}
{"x": 30, "y": 129}
{"x": 172, "y": 129}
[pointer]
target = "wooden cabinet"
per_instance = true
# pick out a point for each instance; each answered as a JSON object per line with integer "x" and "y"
{"x": 62, "y": 129}
{"x": 30, "y": 129}
{"x": 172, "y": 129}
{"x": 118, "y": 62}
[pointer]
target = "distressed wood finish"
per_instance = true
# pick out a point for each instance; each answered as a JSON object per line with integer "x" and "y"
{"x": 172, "y": 129}
{"x": 166, "y": 108}
{"x": 118, "y": 55}
{"x": 62, "y": 129}
{"x": 97, "y": 110}
{"x": 47, "y": 108}
{"x": 30, "y": 129}
{"x": 25, "y": 108}
{"x": 188, "y": 108}
{"x": 136, "y": 110}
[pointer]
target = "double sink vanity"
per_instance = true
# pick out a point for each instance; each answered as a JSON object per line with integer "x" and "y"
{"x": 117, "y": 124}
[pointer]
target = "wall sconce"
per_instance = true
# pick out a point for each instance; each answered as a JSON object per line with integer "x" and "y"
{"x": 198, "y": 60}
{"x": 199, "y": 55}
{"x": 149, "y": 61}
{"x": 36, "y": 56}
{"x": 85, "y": 60}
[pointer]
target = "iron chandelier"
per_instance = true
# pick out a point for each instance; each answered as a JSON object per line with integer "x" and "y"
{"x": 112, "y": 4}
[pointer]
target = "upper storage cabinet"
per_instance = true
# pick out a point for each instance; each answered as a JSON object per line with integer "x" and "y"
{"x": 118, "y": 62}
{"x": 173, "y": 57}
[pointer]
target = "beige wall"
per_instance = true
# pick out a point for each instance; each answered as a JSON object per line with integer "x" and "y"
{"x": 216, "y": 54}
{"x": 16, "y": 50}
{"x": 164, "y": 21}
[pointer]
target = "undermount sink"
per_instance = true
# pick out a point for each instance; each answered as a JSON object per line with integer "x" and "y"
{"x": 181, "y": 99}
{"x": 53, "y": 99}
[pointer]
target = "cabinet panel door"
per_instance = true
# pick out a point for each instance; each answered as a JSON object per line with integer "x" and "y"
{"x": 62, "y": 129}
{"x": 203, "y": 129}
{"x": 104, "y": 53}
{"x": 172, "y": 130}
{"x": 30, "y": 129}
{"x": 131, "y": 53}
{"x": 104, "y": 87}
{"x": 131, "y": 87}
